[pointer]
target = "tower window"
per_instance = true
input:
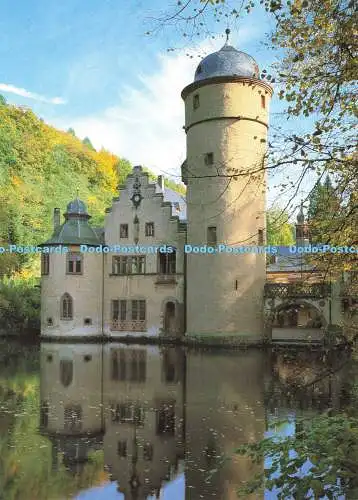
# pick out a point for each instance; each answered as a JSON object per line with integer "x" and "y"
{"x": 196, "y": 101}
{"x": 123, "y": 231}
{"x": 209, "y": 158}
{"x": 66, "y": 307}
{"x": 44, "y": 413}
{"x": 49, "y": 322}
{"x": 149, "y": 228}
{"x": 45, "y": 264}
{"x": 263, "y": 102}
{"x": 87, "y": 321}
{"x": 74, "y": 263}
{"x": 211, "y": 236}
{"x": 122, "y": 448}
{"x": 260, "y": 237}
{"x": 148, "y": 452}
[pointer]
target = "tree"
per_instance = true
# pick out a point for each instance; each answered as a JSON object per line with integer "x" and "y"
{"x": 279, "y": 230}
{"x": 88, "y": 143}
{"x": 71, "y": 131}
{"x": 2, "y": 100}
{"x": 321, "y": 458}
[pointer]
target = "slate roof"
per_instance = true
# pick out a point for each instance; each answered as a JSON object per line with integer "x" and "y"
{"x": 227, "y": 61}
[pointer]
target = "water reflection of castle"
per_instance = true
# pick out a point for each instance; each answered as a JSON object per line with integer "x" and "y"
{"x": 149, "y": 408}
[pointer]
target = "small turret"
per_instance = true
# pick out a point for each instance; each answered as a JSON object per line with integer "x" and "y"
{"x": 302, "y": 230}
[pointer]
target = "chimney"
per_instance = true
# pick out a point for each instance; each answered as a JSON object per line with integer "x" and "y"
{"x": 160, "y": 182}
{"x": 56, "y": 218}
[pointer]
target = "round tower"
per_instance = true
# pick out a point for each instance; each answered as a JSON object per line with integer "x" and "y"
{"x": 226, "y": 124}
{"x": 71, "y": 280}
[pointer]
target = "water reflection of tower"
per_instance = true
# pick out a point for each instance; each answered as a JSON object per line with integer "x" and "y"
{"x": 224, "y": 408}
{"x": 71, "y": 401}
{"x": 143, "y": 399}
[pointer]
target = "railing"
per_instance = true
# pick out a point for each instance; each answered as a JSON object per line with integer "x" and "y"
{"x": 283, "y": 290}
{"x": 120, "y": 325}
{"x": 166, "y": 279}
{"x": 350, "y": 290}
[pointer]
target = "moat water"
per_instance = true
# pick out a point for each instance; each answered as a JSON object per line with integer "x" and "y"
{"x": 88, "y": 421}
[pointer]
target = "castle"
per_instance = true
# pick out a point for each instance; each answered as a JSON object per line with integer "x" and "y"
{"x": 159, "y": 290}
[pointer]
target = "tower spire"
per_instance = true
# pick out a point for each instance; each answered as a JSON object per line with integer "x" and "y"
{"x": 227, "y": 32}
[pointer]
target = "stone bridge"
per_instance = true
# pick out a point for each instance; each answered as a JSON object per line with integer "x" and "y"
{"x": 297, "y": 311}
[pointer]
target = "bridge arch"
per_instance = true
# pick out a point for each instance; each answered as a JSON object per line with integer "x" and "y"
{"x": 298, "y": 313}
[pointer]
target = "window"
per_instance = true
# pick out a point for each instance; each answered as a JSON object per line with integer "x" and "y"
{"x": 49, "y": 358}
{"x": 66, "y": 307}
{"x": 260, "y": 237}
{"x": 166, "y": 419}
{"x": 148, "y": 452}
{"x": 74, "y": 263}
{"x": 149, "y": 228}
{"x": 167, "y": 263}
{"x": 73, "y": 418}
{"x": 45, "y": 264}
{"x": 263, "y": 102}
{"x": 66, "y": 372}
{"x": 44, "y": 412}
{"x": 87, "y": 321}
{"x": 211, "y": 236}
{"x": 129, "y": 315}
{"x": 209, "y": 158}
{"x": 138, "y": 310}
{"x": 124, "y": 265}
{"x": 122, "y": 448}
{"x": 129, "y": 364}
{"x": 196, "y": 101}
{"x": 49, "y": 322}
{"x": 169, "y": 371}
{"x": 129, "y": 413}
{"x": 123, "y": 231}
{"x": 87, "y": 358}
{"x": 128, "y": 310}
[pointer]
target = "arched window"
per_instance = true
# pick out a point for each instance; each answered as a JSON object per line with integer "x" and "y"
{"x": 66, "y": 306}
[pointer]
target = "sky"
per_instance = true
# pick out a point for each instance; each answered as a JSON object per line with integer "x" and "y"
{"x": 92, "y": 67}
